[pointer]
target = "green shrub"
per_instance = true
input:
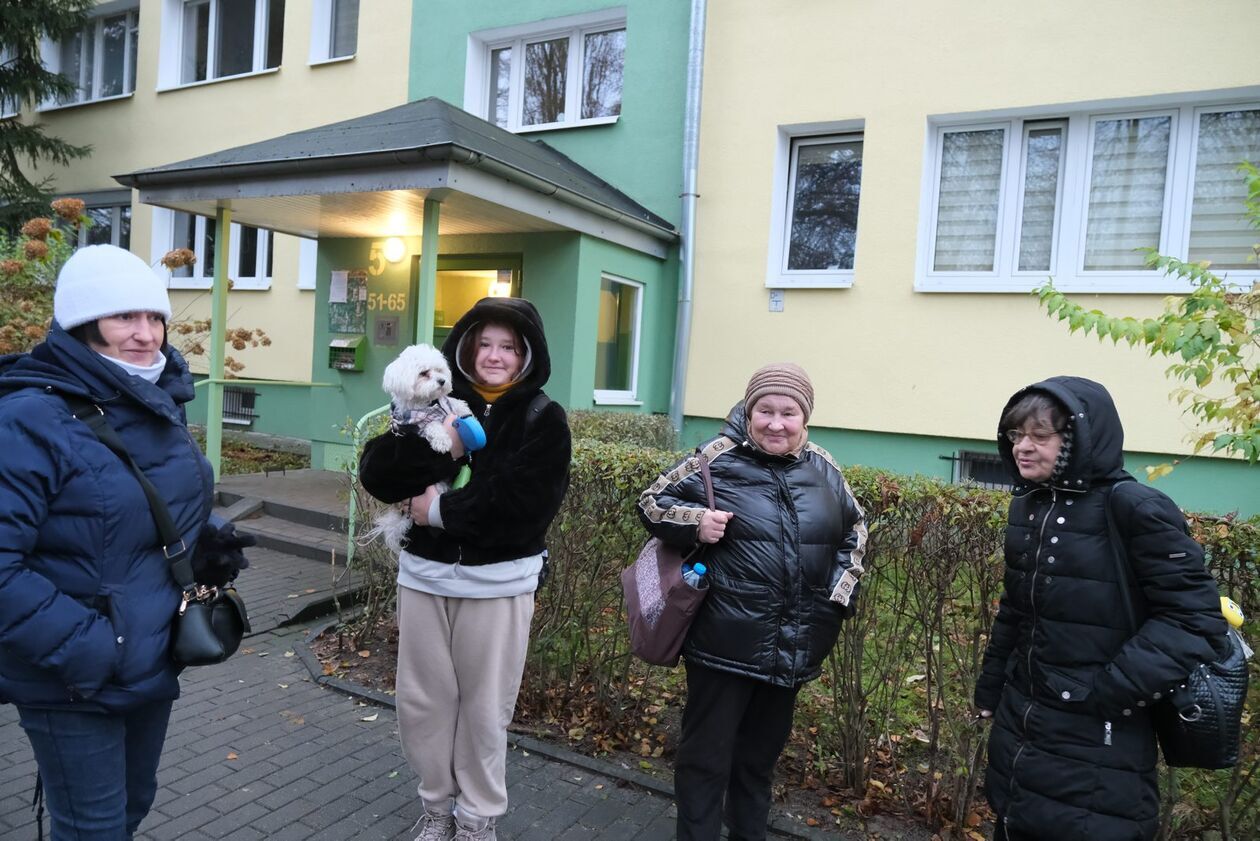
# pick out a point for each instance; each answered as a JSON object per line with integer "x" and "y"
{"x": 652, "y": 431}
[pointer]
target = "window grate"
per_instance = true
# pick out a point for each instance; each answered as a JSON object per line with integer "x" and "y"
{"x": 239, "y": 405}
{"x": 986, "y": 470}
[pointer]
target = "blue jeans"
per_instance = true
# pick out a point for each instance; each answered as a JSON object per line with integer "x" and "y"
{"x": 99, "y": 769}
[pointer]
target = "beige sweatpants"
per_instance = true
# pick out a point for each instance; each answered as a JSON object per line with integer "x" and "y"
{"x": 459, "y": 670}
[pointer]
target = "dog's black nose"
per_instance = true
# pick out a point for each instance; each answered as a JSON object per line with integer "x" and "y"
{"x": 441, "y": 381}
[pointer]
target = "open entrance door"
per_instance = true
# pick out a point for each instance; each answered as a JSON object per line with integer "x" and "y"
{"x": 463, "y": 281}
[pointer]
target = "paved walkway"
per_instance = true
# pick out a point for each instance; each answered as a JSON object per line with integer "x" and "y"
{"x": 258, "y": 750}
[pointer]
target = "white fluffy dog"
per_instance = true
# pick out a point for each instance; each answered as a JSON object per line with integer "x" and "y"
{"x": 419, "y": 385}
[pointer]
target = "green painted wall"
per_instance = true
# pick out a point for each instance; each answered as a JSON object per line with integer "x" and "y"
{"x": 642, "y": 153}
{"x": 1199, "y": 484}
{"x": 560, "y": 273}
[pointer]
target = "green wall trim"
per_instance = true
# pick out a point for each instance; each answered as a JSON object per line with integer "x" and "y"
{"x": 1197, "y": 484}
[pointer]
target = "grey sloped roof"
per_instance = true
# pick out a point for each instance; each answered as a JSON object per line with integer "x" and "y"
{"x": 429, "y": 128}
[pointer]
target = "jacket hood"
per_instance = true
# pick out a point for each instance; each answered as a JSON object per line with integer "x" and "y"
{"x": 524, "y": 317}
{"x": 64, "y": 364}
{"x": 1093, "y": 440}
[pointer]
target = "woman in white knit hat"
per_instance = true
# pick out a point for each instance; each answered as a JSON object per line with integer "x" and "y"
{"x": 783, "y": 547}
{"x": 86, "y": 593}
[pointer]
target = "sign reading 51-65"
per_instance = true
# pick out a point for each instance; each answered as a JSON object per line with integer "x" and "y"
{"x": 390, "y": 302}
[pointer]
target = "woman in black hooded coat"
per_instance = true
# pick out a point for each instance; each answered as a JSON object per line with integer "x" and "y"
{"x": 1068, "y": 685}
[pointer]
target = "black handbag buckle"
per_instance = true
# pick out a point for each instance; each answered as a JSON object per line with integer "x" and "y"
{"x": 174, "y": 550}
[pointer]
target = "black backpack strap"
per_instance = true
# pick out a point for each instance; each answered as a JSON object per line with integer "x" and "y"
{"x": 535, "y": 409}
{"x": 173, "y": 546}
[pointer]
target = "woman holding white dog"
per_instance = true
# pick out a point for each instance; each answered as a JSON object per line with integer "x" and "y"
{"x": 470, "y": 568}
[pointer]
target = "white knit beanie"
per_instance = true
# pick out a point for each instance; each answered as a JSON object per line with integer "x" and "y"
{"x": 102, "y": 280}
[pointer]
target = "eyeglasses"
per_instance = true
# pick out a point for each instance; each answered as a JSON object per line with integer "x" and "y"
{"x": 1039, "y": 436}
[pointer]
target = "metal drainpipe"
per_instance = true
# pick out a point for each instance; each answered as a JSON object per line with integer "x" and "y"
{"x": 691, "y": 150}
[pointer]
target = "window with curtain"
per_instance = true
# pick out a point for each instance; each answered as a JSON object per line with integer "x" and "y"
{"x": 617, "y": 340}
{"x": 1218, "y": 229}
{"x": 1076, "y": 196}
{"x": 555, "y": 77}
{"x": 344, "y": 37}
{"x": 970, "y": 190}
{"x": 1128, "y": 172}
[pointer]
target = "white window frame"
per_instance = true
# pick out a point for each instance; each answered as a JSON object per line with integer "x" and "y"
{"x": 51, "y": 53}
{"x": 628, "y": 397}
{"x": 322, "y": 12}
{"x": 1072, "y": 203}
{"x": 308, "y": 253}
{"x": 171, "y": 51}
{"x": 163, "y": 240}
{"x": 789, "y": 137}
{"x": 576, "y": 27}
{"x": 115, "y": 224}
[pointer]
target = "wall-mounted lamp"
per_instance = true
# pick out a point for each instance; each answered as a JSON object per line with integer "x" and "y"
{"x": 395, "y": 249}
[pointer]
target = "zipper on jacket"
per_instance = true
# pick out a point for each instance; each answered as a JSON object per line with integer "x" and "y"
{"x": 1032, "y": 590}
{"x": 1107, "y": 733}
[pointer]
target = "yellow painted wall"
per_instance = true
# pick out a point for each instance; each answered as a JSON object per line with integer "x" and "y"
{"x": 884, "y": 357}
{"x": 152, "y": 128}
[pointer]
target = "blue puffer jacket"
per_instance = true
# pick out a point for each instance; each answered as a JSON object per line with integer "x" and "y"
{"x": 86, "y": 596}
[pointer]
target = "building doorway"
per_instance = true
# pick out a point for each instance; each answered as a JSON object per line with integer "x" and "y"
{"x": 463, "y": 281}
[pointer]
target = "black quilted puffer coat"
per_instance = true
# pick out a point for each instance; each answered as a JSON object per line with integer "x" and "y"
{"x": 796, "y": 532}
{"x": 1072, "y": 754}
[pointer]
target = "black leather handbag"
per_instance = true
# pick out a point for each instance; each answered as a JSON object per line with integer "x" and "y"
{"x": 1199, "y": 721}
{"x": 211, "y": 621}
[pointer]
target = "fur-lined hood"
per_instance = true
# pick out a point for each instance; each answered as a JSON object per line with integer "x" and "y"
{"x": 1093, "y": 440}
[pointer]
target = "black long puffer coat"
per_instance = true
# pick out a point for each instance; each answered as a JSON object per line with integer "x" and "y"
{"x": 797, "y": 530}
{"x": 1073, "y": 753}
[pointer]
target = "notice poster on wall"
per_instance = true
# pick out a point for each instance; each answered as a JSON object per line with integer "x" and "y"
{"x": 348, "y": 302}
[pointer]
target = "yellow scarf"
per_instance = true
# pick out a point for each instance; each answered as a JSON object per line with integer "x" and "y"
{"x": 490, "y": 393}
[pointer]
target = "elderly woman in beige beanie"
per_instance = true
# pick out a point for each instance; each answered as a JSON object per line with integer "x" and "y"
{"x": 783, "y": 547}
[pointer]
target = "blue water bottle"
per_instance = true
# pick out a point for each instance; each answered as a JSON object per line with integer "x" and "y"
{"x": 693, "y": 574}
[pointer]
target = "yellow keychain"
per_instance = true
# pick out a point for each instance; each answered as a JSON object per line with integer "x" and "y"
{"x": 1233, "y": 613}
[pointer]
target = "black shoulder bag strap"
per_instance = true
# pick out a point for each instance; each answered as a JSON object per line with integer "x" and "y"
{"x": 173, "y": 546}
{"x": 1120, "y": 556}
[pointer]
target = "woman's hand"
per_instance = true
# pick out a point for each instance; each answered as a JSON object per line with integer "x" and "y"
{"x": 713, "y": 525}
{"x": 457, "y": 443}
{"x": 420, "y": 505}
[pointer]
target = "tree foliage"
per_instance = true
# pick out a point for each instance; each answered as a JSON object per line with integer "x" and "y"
{"x": 1213, "y": 336}
{"x": 25, "y": 81}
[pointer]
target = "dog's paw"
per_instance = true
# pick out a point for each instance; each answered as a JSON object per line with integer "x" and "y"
{"x": 437, "y": 436}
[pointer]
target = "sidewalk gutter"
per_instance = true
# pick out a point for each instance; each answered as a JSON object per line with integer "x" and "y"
{"x": 778, "y": 825}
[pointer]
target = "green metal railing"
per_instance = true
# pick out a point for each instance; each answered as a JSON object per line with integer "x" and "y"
{"x": 352, "y": 518}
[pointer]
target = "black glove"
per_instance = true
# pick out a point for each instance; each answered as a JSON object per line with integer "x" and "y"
{"x": 218, "y": 557}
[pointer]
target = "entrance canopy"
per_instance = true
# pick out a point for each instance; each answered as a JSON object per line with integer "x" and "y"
{"x": 370, "y": 177}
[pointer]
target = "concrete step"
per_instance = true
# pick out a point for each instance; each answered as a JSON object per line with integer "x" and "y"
{"x": 295, "y": 538}
{"x": 320, "y": 520}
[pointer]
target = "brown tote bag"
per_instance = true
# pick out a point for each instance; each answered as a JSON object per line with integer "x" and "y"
{"x": 659, "y": 604}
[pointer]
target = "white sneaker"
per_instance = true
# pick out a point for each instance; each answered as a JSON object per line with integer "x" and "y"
{"x": 435, "y": 826}
{"x": 483, "y": 832}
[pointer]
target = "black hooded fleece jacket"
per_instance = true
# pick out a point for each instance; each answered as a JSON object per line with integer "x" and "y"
{"x": 518, "y": 479}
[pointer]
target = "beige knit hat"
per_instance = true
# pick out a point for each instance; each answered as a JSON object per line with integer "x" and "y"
{"x": 785, "y": 378}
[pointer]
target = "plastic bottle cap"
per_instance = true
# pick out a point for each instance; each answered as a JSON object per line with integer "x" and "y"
{"x": 700, "y": 569}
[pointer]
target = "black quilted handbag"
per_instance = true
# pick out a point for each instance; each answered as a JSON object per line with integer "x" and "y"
{"x": 1198, "y": 723}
